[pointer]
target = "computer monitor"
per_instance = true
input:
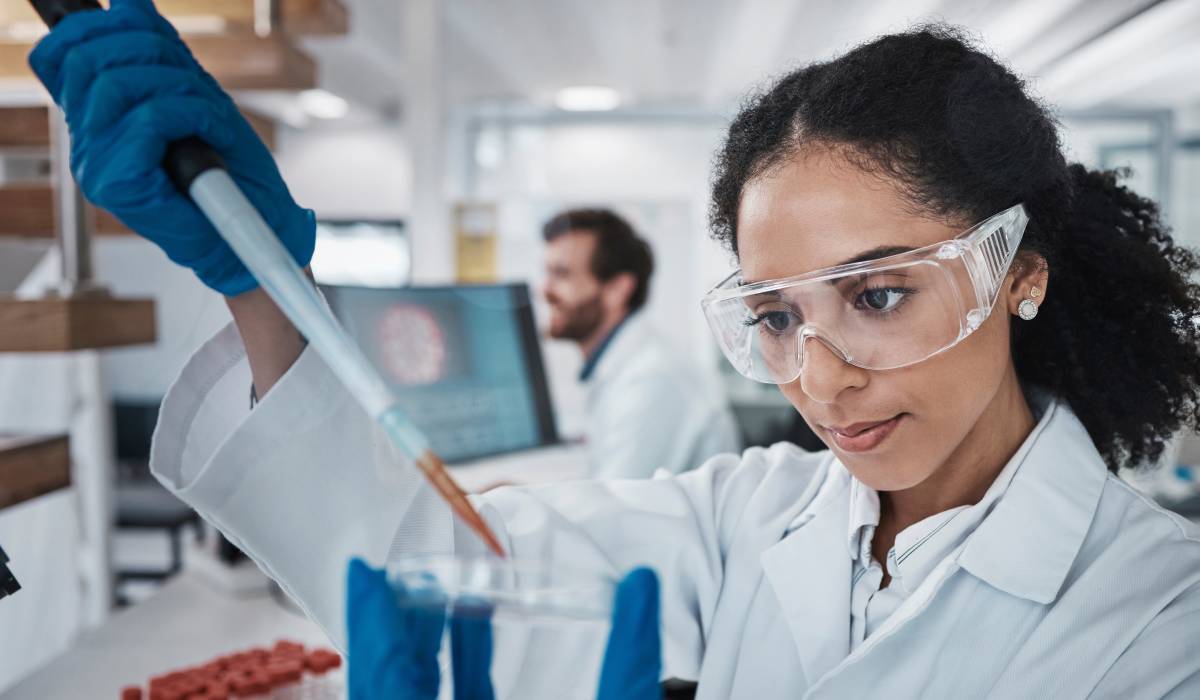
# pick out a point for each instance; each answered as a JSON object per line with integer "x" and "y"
{"x": 465, "y": 362}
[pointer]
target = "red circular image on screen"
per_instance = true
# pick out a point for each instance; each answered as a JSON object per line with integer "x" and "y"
{"x": 411, "y": 345}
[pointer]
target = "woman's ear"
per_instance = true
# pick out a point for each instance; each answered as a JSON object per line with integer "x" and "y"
{"x": 1027, "y": 281}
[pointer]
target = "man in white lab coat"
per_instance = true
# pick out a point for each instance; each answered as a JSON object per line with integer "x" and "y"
{"x": 597, "y": 280}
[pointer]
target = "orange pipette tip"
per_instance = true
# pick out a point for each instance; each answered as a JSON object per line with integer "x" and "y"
{"x": 435, "y": 471}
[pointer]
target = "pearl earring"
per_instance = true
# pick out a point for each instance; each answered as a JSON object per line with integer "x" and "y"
{"x": 1028, "y": 310}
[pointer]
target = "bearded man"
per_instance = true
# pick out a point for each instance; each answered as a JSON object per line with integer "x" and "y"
{"x": 647, "y": 407}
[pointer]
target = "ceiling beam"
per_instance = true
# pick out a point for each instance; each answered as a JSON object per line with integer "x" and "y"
{"x": 1115, "y": 59}
{"x": 494, "y": 33}
{"x": 1020, "y": 24}
{"x": 756, "y": 34}
{"x": 1071, "y": 32}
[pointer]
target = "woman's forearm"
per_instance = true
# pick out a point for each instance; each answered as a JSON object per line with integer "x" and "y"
{"x": 272, "y": 342}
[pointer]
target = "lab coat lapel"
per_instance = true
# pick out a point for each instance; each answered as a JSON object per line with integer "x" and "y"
{"x": 1027, "y": 546}
{"x": 629, "y": 336}
{"x": 809, "y": 570}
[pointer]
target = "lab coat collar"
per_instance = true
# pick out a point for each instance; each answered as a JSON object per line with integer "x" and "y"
{"x": 921, "y": 546}
{"x": 865, "y": 507}
{"x": 864, "y": 518}
{"x": 810, "y": 574}
{"x": 621, "y": 345}
{"x": 1026, "y": 546}
{"x": 589, "y": 366}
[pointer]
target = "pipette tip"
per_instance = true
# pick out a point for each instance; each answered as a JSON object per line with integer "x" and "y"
{"x": 435, "y": 471}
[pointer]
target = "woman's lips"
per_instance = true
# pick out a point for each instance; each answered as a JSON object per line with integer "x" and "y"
{"x": 861, "y": 437}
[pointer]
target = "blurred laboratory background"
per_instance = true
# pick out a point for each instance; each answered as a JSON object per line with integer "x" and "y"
{"x": 433, "y": 139}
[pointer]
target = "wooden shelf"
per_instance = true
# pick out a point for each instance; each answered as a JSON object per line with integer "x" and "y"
{"x": 315, "y": 17}
{"x": 27, "y": 211}
{"x": 27, "y": 208}
{"x": 249, "y": 62}
{"x": 29, "y": 127}
{"x": 237, "y": 61}
{"x": 296, "y": 16}
{"x": 323, "y": 17}
{"x": 24, "y": 127}
{"x": 31, "y": 466}
{"x": 61, "y": 324}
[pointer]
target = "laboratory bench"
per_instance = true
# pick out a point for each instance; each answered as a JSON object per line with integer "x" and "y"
{"x": 189, "y": 620}
{"x": 186, "y": 622}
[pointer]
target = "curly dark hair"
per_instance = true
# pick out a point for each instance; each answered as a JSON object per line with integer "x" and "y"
{"x": 1118, "y": 338}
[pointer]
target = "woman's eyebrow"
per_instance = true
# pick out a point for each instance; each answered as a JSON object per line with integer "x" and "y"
{"x": 762, "y": 296}
{"x": 882, "y": 251}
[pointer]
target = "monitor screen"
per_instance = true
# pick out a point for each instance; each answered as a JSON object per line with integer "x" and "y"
{"x": 465, "y": 362}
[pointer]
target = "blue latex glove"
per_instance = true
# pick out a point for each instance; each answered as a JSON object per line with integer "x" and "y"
{"x": 129, "y": 86}
{"x": 633, "y": 657}
{"x": 471, "y": 654}
{"x": 394, "y": 643}
{"x": 393, "y": 654}
{"x": 392, "y": 649}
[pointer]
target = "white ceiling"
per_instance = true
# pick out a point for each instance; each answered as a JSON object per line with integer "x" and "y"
{"x": 706, "y": 54}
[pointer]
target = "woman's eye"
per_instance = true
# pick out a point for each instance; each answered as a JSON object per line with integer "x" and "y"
{"x": 778, "y": 321}
{"x": 774, "y": 321}
{"x": 881, "y": 298}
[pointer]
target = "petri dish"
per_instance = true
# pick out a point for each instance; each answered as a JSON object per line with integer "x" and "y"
{"x": 550, "y": 623}
{"x": 533, "y": 591}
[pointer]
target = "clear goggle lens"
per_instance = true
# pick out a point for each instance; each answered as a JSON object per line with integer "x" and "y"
{"x": 881, "y": 314}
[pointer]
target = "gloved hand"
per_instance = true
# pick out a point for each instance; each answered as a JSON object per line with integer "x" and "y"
{"x": 393, "y": 650}
{"x": 129, "y": 86}
{"x": 633, "y": 657}
{"x": 394, "y": 643}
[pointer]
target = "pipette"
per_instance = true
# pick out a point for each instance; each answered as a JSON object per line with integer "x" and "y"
{"x": 199, "y": 171}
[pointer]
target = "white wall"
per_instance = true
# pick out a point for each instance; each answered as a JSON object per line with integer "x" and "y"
{"x": 347, "y": 171}
{"x": 17, "y": 258}
{"x": 1186, "y": 195}
{"x": 1085, "y": 139}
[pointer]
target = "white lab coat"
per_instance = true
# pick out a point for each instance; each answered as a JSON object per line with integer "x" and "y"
{"x": 1073, "y": 586}
{"x": 648, "y": 409}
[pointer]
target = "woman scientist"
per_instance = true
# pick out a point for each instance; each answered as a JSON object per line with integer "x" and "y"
{"x": 979, "y": 331}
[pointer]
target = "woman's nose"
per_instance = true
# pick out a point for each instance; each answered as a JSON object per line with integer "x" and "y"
{"x": 824, "y": 375}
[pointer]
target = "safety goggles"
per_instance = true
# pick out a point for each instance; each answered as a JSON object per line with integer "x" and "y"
{"x": 878, "y": 314}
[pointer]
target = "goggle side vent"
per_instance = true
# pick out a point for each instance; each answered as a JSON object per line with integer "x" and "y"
{"x": 997, "y": 255}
